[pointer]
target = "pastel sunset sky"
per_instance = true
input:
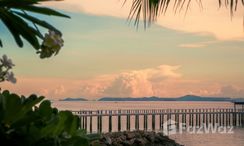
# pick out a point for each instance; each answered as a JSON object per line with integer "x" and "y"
{"x": 200, "y": 53}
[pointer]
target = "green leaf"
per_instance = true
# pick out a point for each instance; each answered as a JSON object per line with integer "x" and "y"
{"x": 23, "y": 29}
{"x": 12, "y": 29}
{"x": 1, "y": 43}
{"x": 11, "y": 108}
{"x": 76, "y": 141}
{"x": 42, "y": 10}
{"x": 14, "y": 109}
{"x": 92, "y": 137}
{"x": 36, "y": 21}
{"x": 32, "y": 100}
{"x": 24, "y": 124}
{"x": 12, "y": 3}
{"x": 45, "y": 109}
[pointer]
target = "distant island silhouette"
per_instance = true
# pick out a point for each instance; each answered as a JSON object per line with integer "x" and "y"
{"x": 183, "y": 98}
{"x": 154, "y": 98}
{"x": 73, "y": 99}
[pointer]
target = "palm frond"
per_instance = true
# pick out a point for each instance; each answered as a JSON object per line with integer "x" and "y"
{"x": 149, "y": 10}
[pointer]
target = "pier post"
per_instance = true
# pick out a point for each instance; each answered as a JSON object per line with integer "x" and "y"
{"x": 199, "y": 117}
{"x": 177, "y": 119}
{"x": 119, "y": 120}
{"x": 85, "y": 123}
{"x": 241, "y": 117}
{"x": 182, "y": 116}
{"x": 203, "y": 117}
{"x": 79, "y": 122}
{"x": 90, "y": 121}
{"x": 145, "y": 121}
{"x": 136, "y": 120}
{"x": 98, "y": 121}
{"x": 207, "y": 117}
{"x": 196, "y": 117}
{"x": 223, "y": 118}
{"x": 153, "y": 120}
{"x": 128, "y": 120}
{"x": 160, "y": 120}
{"x": 217, "y": 117}
{"x": 110, "y": 124}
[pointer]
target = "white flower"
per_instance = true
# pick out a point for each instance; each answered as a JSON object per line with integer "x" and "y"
{"x": 10, "y": 77}
{"x": 6, "y": 62}
{"x": 53, "y": 40}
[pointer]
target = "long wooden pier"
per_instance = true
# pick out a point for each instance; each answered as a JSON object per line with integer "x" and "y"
{"x": 126, "y": 120}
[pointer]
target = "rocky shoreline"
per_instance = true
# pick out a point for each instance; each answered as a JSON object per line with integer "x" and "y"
{"x": 134, "y": 138}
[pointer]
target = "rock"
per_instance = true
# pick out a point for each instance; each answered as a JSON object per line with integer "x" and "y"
{"x": 139, "y": 141}
{"x": 138, "y": 135}
{"x": 129, "y": 135}
{"x": 123, "y": 137}
{"x": 117, "y": 134}
{"x": 132, "y": 140}
{"x": 118, "y": 140}
{"x": 159, "y": 139}
{"x": 150, "y": 137}
{"x": 107, "y": 140}
{"x": 126, "y": 143}
{"x": 135, "y": 138}
{"x": 115, "y": 143}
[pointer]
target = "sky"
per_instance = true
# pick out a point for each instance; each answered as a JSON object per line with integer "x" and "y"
{"x": 199, "y": 53}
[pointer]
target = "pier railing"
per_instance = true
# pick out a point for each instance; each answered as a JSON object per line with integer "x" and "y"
{"x": 126, "y": 120}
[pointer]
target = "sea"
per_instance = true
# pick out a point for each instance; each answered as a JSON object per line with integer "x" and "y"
{"x": 233, "y": 136}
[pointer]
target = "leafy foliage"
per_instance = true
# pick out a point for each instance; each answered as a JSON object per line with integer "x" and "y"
{"x": 24, "y": 123}
{"x": 15, "y": 15}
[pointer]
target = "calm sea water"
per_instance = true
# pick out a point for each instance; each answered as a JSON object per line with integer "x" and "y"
{"x": 236, "y": 138}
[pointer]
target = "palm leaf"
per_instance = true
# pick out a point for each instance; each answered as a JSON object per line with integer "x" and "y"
{"x": 149, "y": 10}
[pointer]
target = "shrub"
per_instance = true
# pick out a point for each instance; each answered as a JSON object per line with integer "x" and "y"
{"x": 33, "y": 122}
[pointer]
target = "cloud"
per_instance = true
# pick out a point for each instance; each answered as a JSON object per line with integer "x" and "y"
{"x": 162, "y": 81}
{"x": 209, "y": 20}
{"x": 196, "y": 45}
{"x": 132, "y": 83}
{"x": 139, "y": 83}
{"x": 49, "y": 87}
{"x": 231, "y": 91}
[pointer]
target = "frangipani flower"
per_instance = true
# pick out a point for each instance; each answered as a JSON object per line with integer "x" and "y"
{"x": 53, "y": 40}
{"x": 6, "y": 62}
{"x": 5, "y": 65}
{"x": 52, "y": 43}
{"x": 10, "y": 77}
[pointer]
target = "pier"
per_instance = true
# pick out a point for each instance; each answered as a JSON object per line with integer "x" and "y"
{"x": 154, "y": 120}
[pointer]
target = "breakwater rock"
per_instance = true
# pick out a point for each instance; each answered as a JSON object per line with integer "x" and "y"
{"x": 134, "y": 138}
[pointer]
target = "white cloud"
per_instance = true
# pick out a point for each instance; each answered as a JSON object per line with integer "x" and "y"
{"x": 139, "y": 83}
